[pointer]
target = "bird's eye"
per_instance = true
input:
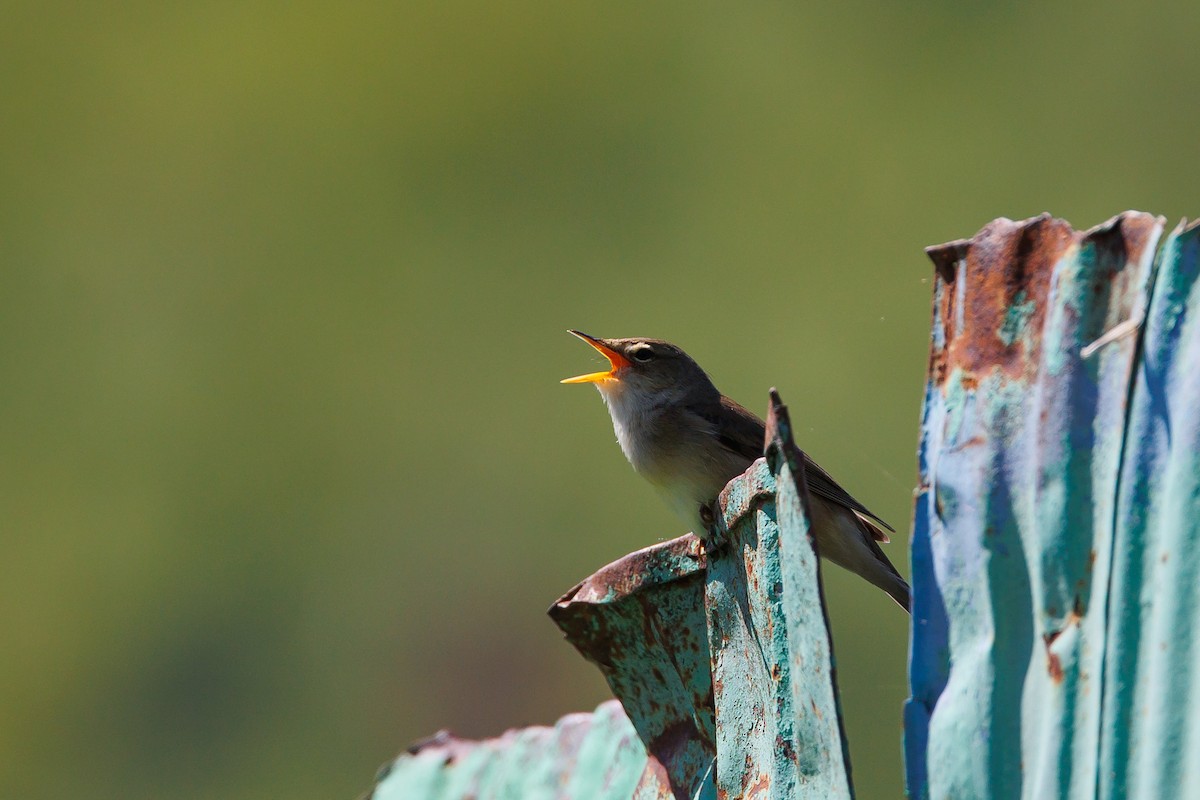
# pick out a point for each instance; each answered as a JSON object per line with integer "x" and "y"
{"x": 643, "y": 355}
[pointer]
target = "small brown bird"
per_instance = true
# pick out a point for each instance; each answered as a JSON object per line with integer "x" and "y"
{"x": 688, "y": 440}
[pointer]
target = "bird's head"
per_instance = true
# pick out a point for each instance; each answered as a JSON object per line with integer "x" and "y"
{"x": 651, "y": 371}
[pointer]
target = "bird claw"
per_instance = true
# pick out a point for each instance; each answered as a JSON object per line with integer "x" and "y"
{"x": 713, "y": 539}
{"x": 714, "y": 544}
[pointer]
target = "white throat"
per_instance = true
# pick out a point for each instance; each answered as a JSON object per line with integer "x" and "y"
{"x": 633, "y": 421}
{"x": 678, "y": 465}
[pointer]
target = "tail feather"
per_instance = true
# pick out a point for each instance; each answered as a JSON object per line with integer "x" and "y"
{"x": 890, "y": 582}
{"x": 844, "y": 538}
{"x": 873, "y": 529}
{"x": 898, "y": 590}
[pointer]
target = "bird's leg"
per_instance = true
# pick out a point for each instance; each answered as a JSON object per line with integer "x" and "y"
{"x": 714, "y": 540}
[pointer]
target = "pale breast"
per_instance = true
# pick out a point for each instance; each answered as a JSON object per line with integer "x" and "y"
{"x": 688, "y": 467}
{"x": 676, "y": 451}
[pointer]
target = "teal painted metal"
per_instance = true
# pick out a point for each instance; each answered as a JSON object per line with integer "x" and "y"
{"x": 1057, "y": 525}
{"x": 584, "y": 756}
{"x": 723, "y": 670}
{"x": 1056, "y": 570}
{"x": 640, "y": 620}
{"x": 779, "y": 724}
{"x": 1151, "y": 736}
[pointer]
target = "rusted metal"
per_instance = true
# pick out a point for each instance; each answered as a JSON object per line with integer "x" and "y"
{"x": 945, "y": 257}
{"x": 1055, "y": 561}
{"x": 722, "y": 665}
{"x": 641, "y": 621}
{"x": 1013, "y": 545}
{"x": 779, "y": 726}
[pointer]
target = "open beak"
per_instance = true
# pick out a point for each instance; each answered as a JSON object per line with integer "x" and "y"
{"x": 615, "y": 360}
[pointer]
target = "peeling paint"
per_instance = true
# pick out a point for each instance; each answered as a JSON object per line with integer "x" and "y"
{"x": 779, "y": 728}
{"x": 1027, "y": 592}
{"x": 1016, "y": 320}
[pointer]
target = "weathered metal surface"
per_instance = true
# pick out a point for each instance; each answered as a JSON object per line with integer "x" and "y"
{"x": 779, "y": 727}
{"x": 1056, "y": 570}
{"x": 641, "y": 621}
{"x": 595, "y": 756}
{"x": 1016, "y": 676}
{"x": 648, "y": 621}
{"x": 1150, "y": 739}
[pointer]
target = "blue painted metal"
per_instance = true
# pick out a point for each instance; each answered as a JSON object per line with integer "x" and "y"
{"x": 1057, "y": 524}
{"x": 723, "y": 670}
{"x": 1056, "y": 570}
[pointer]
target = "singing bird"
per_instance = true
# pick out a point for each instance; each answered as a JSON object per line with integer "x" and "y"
{"x": 688, "y": 440}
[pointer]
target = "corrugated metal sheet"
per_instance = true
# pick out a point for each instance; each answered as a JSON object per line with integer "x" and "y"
{"x": 640, "y": 620}
{"x": 594, "y": 756}
{"x": 1056, "y": 570}
{"x": 1150, "y": 739}
{"x": 724, "y": 671}
{"x": 779, "y": 725}
{"x": 1056, "y": 528}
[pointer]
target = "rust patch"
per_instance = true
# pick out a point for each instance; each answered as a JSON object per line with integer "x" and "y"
{"x": 1054, "y": 667}
{"x": 945, "y": 257}
{"x": 1125, "y": 236}
{"x": 650, "y": 566}
{"x": 1008, "y": 263}
{"x": 937, "y": 366}
{"x": 974, "y": 441}
{"x": 1053, "y": 664}
{"x": 760, "y": 787}
{"x": 983, "y": 282}
{"x": 1074, "y": 618}
{"x": 785, "y": 747}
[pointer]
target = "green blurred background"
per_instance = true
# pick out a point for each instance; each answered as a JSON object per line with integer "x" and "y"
{"x": 288, "y": 477}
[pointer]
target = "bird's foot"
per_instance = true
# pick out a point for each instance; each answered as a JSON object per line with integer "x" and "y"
{"x": 713, "y": 539}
